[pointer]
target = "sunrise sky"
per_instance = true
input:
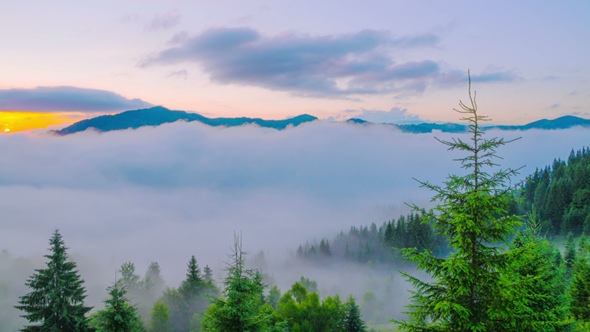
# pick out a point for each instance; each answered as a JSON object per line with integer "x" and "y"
{"x": 385, "y": 61}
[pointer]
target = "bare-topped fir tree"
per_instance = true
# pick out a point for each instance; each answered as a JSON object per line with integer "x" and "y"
{"x": 466, "y": 290}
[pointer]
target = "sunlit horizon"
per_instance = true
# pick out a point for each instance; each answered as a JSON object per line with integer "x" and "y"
{"x": 20, "y": 121}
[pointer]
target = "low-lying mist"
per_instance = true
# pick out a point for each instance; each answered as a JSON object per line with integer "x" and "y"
{"x": 166, "y": 193}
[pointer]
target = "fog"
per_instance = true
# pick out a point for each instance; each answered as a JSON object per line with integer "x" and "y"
{"x": 166, "y": 193}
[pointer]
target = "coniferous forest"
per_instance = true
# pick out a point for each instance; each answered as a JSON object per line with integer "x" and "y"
{"x": 486, "y": 257}
{"x": 560, "y": 193}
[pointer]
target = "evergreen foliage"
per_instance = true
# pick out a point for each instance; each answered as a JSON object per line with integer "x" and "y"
{"x": 353, "y": 321}
{"x": 561, "y": 194}
{"x": 375, "y": 244}
{"x": 242, "y": 307}
{"x": 304, "y": 311}
{"x": 191, "y": 298}
{"x": 537, "y": 284}
{"x": 153, "y": 282}
{"x": 580, "y": 287}
{"x": 118, "y": 314}
{"x": 467, "y": 291}
{"x": 142, "y": 293}
{"x": 274, "y": 296}
{"x": 130, "y": 281}
{"x": 56, "y": 301}
{"x": 570, "y": 254}
{"x": 207, "y": 274}
{"x": 160, "y": 318}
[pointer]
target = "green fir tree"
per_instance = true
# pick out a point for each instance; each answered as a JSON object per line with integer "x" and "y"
{"x": 160, "y": 318}
{"x": 242, "y": 307}
{"x": 353, "y": 322}
{"x": 466, "y": 291}
{"x": 118, "y": 315}
{"x": 56, "y": 302}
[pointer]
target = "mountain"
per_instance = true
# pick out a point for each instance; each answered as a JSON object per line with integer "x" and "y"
{"x": 563, "y": 122}
{"x": 156, "y": 116}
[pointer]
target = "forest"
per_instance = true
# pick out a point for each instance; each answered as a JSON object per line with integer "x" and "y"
{"x": 486, "y": 257}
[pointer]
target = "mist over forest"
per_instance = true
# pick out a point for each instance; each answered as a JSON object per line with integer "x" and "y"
{"x": 165, "y": 193}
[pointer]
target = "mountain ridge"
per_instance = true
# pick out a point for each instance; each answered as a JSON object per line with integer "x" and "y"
{"x": 158, "y": 115}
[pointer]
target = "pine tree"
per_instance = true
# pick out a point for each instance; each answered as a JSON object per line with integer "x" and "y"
{"x": 118, "y": 314}
{"x": 56, "y": 302}
{"x": 536, "y": 281}
{"x": 580, "y": 287}
{"x": 242, "y": 308}
{"x": 570, "y": 254}
{"x": 160, "y": 321}
{"x": 193, "y": 274}
{"x": 273, "y": 297}
{"x": 207, "y": 274}
{"x": 353, "y": 321}
{"x": 130, "y": 281}
{"x": 188, "y": 299}
{"x": 153, "y": 283}
{"x": 466, "y": 292}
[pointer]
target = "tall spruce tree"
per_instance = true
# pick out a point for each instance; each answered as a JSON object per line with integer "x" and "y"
{"x": 466, "y": 290}
{"x": 353, "y": 322}
{"x": 56, "y": 302}
{"x": 118, "y": 315}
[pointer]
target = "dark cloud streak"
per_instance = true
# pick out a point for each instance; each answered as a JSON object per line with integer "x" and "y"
{"x": 66, "y": 99}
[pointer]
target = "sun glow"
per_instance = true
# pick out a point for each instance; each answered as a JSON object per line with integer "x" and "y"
{"x": 16, "y": 121}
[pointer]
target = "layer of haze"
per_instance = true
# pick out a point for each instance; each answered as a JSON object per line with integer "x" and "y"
{"x": 166, "y": 193}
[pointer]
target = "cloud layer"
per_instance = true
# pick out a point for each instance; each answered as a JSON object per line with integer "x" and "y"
{"x": 346, "y": 65}
{"x": 66, "y": 99}
{"x": 188, "y": 187}
{"x": 395, "y": 115}
{"x": 166, "y": 193}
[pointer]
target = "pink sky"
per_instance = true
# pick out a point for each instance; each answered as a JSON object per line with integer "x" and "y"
{"x": 397, "y": 60}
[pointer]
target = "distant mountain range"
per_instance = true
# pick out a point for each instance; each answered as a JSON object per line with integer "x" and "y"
{"x": 563, "y": 122}
{"x": 156, "y": 116}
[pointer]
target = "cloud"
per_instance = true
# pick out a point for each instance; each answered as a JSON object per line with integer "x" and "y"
{"x": 164, "y": 21}
{"x": 494, "y": 77}
{"x": 331, "y": 66}
{"x": 166, "y": 193}
{"x": 66, "y": 98}
{"x": 190, "y": 186}
{"x": 395, "y": 115}
{"x": 358, "y": 63}
{"x": 182, "y": 74}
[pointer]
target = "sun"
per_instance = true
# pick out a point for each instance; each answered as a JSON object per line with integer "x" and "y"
{"x": 17, "y": 121}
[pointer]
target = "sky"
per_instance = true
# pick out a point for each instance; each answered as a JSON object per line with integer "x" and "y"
{"x": 384, "y": 61}
{"x": 168, "y": 192}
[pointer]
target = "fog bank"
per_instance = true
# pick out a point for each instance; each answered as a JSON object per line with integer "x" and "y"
{"x": 166, "y": 193}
